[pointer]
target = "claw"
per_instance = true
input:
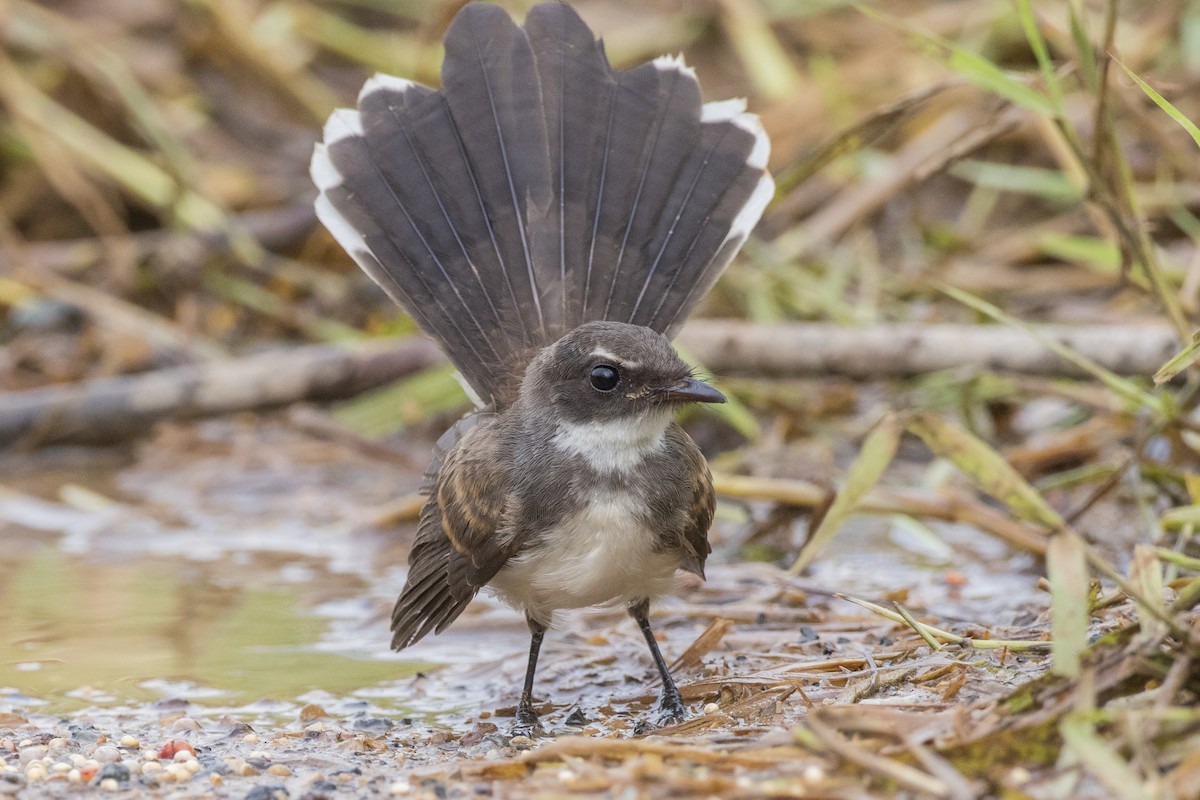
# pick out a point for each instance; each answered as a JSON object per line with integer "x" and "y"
{"x": 526, "y": 724}
{"x": 672, "y": 711}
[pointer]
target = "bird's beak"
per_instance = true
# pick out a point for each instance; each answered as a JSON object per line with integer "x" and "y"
{"x": 689, "y": 390}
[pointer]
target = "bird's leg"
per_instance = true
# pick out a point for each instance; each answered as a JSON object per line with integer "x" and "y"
{"x": 526, "y": 723}
{"x": 671, "y": 705}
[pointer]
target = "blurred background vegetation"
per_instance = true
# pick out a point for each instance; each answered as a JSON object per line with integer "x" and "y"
{"x": 994, "y": 163}
{"x": 154, "y": 195}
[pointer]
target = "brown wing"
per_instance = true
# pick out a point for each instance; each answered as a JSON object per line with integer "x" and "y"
{"x": 456, "y": 551}
{"x": 701, "y": 501}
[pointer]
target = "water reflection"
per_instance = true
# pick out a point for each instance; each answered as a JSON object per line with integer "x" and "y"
{"x": 80, "y": 633}
{"x": 214, "y": 563}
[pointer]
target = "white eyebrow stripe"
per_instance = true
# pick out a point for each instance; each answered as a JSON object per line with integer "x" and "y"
{"x": 612, "y": 357}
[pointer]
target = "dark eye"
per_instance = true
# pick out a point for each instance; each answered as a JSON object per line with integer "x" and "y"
{"x": 605, "y": 378}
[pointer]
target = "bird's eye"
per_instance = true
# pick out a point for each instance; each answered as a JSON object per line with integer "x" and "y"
{"x": 605, "y": 378}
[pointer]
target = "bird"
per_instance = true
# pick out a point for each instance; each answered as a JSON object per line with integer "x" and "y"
{"x": 550, "y": 221}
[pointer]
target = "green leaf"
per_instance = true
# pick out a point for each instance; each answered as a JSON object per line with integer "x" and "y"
{"x": 1125, "y": 388}
{"x": 1084, "y": 48}
{"x": 1066, "y": 569}
{"x": 989, "y": 77}
{"x": 1049, "y": 183}
{"x": 986, "y": 468}
{"x": 1099, "y": 254}
{"x": 1162, "y": 102}
{"x": 1180, "y": 361}
{"x": 971, "y": 66}
{"x": 877, "y": 452}
{"x": 391, "y": 408}
{"x": 1042, "y": 53}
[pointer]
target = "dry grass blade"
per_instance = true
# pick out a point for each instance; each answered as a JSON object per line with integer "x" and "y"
{"x": 862, "y": 134}
{"x": 768, "y": 64}
{"x": 930, "y": 632}
{"x": 1125, "y": 388}
{"x": 1146, "y": 573}
{"x": 1102, "y": 760}
{"x": 946, "y": 505}
{"x": 986, "y": 468}
{"x": 877, "y": 452}
{"x": 909, "y": 777}
{"x": 105, "y": 156}
{"x": 703, "y": 645}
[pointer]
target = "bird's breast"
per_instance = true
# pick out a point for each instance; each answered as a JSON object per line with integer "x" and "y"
{"x": 605, "y": 551}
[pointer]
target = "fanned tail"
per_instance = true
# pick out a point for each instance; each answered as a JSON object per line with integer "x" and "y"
{"x": 539, "y": 189}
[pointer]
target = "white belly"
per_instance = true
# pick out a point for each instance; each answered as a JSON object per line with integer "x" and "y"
{"x": 603, "y": 554}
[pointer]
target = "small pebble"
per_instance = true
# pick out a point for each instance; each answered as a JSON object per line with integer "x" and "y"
{"x": 129, "y": 741}
{"x": 400, "y": 788}
{"x": 813, "y": 773}
{"x": 75, "y": 776}
{"x": 35, "y": 772}
{"x": 279, "y": 770}
{"x": 184, "y": 755}
{"x": 251, "y": 738}
{"x": 106, "y": 754}
{"x": 31, "y": 752}
{"x": 186, "y": 724}
{"x": 172, "y": 747}
{"x": 57, "y": 743}
{"x": 118, "y": 772}
{"x": 151, "y": 768}
{"x": 179, "y": 772}
{"x": 60, "y": 767}
{"x": 711, "y": 708}
{"x": 109, "y": 785}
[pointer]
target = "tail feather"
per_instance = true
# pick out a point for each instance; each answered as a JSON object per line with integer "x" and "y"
{"x": 539, "y": 189}
{"x": 643, "y": 173}
{"x": 577, "y": 89}
{"x": 490, "y": 83}
{"x": 363, "y": 217}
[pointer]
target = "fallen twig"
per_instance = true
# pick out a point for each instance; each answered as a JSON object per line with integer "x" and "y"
{"x": 881, "y": 351}
{"x": 112, "y": 409}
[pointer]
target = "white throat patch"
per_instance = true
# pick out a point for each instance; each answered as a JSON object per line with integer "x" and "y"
{"x": 616, "y": 444}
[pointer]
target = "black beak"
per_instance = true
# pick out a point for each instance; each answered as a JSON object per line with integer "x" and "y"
{"x": 689, "y": 390}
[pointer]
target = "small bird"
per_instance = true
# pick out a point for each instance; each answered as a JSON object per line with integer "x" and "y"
{"x": 551, "y": 222}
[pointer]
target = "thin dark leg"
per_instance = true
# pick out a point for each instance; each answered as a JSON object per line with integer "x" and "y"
{"x": 527, "y": 722}
{"x": 673, "y": 709}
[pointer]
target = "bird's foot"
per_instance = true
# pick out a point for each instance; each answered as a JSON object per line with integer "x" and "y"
{"x": 671, "y": 711}
{"x": 526, "y": 724}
